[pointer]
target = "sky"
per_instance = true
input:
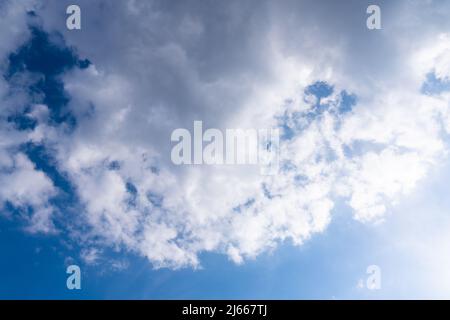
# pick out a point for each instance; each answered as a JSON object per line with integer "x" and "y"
{"x": 87, "y": 179}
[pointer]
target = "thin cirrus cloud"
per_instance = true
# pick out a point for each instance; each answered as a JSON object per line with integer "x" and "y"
{"x": 94, "y": 134}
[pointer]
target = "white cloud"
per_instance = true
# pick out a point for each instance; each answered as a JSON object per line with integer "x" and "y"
{"x": 90, "y": 256}
{"x": 234, "y": 66}
{"x": 13, "y": 26}
{"x": 22, "y": 186}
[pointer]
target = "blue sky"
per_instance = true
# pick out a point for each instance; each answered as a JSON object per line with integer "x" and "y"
{"x": 314, "y": 271}
{"x": 327, "y": 267}
{"x": 86, "y": 176}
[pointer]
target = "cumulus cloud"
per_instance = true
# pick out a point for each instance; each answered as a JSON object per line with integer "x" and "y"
{"x": 355, "y": 125}
{"x": 23, "y": 188}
